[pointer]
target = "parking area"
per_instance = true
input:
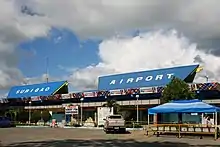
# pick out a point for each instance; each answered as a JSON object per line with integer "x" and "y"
{"x": 50, "y": 137}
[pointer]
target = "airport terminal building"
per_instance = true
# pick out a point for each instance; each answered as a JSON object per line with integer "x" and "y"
{"x": 142, "y": 88}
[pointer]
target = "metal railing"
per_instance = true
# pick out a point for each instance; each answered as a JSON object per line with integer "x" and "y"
{"x": 179, "y": 129}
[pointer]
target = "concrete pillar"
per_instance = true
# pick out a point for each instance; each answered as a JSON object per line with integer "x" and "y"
{"x": 155, "y": 118}
{"x": 141, "y": 115}
{"x": 95, "y": 115}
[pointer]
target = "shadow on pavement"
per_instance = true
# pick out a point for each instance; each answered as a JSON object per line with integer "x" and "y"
{"x": 101, "y": 143}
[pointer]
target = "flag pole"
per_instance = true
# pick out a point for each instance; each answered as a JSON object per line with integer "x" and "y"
{"x": 47, "y": 70}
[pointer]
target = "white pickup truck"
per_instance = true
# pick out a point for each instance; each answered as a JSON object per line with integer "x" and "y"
{"x": 114, "y": 123}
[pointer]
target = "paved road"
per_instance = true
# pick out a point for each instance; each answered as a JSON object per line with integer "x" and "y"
{"x": 48, "y": 137}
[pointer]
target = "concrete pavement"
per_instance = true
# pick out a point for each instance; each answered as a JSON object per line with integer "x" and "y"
{"x": 57, "y": 137}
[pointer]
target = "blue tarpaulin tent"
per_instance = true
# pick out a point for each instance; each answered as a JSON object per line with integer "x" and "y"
{"x": 184, "y": 106}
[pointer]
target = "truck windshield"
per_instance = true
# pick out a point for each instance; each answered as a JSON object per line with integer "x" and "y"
{"x": 115, "y": 117}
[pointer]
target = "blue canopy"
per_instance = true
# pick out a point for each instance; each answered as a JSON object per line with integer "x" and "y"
{"x": 44, "y": 89}
{"x": 184, "y": 106}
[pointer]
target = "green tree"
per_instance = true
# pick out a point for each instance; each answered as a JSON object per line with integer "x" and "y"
{"x": 23, "y": 116}
{"x": 112, "y": 103}
{"x": 46, "y": 116}
{"x": 177, "y": 89}
{"x": 35, "y": 116}
{"x": 12, "y": 114}
{"x": 126, "y": 114}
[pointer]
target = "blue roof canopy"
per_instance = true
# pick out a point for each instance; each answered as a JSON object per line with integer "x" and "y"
{"x": 184, "y": 106}
{"x": 44, "y": 89}
{"x": 150, "y": 78}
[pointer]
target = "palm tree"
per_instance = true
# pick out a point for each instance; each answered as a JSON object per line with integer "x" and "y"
{"x": 12, "y": 113}
{"x": 112, "y": 103}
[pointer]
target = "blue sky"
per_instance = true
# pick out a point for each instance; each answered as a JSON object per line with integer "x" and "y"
{"x": 66, "y": 52}
{"x": 34, "y": 30}
{"x": 63, "y": 49}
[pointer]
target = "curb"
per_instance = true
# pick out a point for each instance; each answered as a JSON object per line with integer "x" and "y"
{"x": 134, "y": 129}
{"x": 99, "y": 128}
{"x": 95, "y": 128}
{"x": 68, "y": 127}
{"x": 32, "y": 126}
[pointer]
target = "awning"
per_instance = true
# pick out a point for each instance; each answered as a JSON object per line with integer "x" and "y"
{"x": 184, "y": 106}
{"x": 44, "y": 89}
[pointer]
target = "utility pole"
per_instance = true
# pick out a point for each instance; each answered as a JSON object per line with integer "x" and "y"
{"x": 47, "y": 69}
{"x": 81, "y": 113}
{"x": 47, "y": 80}
{"x": 137, "y": 102}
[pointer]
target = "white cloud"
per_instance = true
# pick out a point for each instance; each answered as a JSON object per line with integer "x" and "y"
{"x": 14, "y": 29}
{"x": 87, "y": 78}
{"x": 147, "y": 51}
{"x": 40, "y": 79}
{"x": 27, "y": 19}
{"x": 98, "y": 18}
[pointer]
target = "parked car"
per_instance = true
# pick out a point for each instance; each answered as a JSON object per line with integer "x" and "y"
{"x": 114, "y": 123}
{"x": 6, "y": 122}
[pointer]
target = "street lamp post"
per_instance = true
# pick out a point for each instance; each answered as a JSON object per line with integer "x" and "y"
{"x": 81, "y": 111}
{"x": 47, "y": 69}
{"x": 41, "y": 118}
{"x": 137, "y": 96}
{"x": 29, "y": 116}
{"x": 41, "y": 112}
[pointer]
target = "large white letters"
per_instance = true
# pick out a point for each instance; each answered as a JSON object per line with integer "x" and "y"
{"x": 37, "y": 89}
{"x": 112, "y": 82}
{"x": 22, "y": 91}
{"x": 138, "y": 79}
{"x": 169, "y": 76}
{"x": 47, "y": 89}
{"x": 147, "y": 78}
{"x": 130, "y": 80}
{"x": 159, "y": 77}
{"x": 121, "y": 81}
{"x": 43, "y": 89}
{"x": 18, "y": 91}
{"x": 26, "y": 91}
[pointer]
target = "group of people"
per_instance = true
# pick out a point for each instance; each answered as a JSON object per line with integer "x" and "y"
{"x": 206, "y": 120}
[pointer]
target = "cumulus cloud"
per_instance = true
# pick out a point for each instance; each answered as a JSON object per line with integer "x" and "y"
{"x": 151, "y": 50}
{"x": 197, "y": 19}
{"x": 15, "y": 28}
{"x": 27, "y": 19}
{"x": 40, "y": 79}
{"x": 98, "y": 19}
{"x": 86, "y": 78}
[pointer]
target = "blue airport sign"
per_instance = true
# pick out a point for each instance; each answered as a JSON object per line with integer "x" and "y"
{"x": 150, "y": 78}
{"x": 44, "y": 89}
